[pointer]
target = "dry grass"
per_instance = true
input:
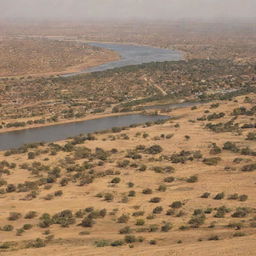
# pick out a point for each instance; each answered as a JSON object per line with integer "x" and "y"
{"x": 213, "y": 179}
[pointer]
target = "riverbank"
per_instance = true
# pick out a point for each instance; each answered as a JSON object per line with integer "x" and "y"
{"x": 39, "y": 57}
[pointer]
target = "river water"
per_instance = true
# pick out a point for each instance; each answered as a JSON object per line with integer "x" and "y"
{"x": 62, "y": 131}
{"x": 132, "y": 55}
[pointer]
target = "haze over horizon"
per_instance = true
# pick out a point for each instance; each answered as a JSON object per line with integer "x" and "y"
{"x": 128, "y": 9}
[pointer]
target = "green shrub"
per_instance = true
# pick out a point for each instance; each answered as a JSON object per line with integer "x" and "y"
{"x": 7, "y": 228}
{"x": 153, "y": 228}
{"x": 231, "y": 147}
{"x": 249, "y": 168}
{"x": 155, "y": 200}
{"x": 176, "y": 204}
{"x": 101, "y": 243}
{"x": 211, "y": 161}
{"x": 27, "y": 226}
{"x": 243, "y": 198}
{"x": 155, "y": 149}
{"x": 125, "y": 230}
{"x": 31, "y": 215}
{"x": 38, "y": 243}
{"x": 130, "y": 239}
{"x": 157, "y": 210}
{"x": 147, "y": 191}
{"x": 140, "y": 222}
{"x": 219, "y": 196}
{"x": 123, "y": 218}
{"x": 14, "y": 216}
{"x": 213, "y": 237}
{"x": 166, "y": 227}
{"x": 115, "y": 180}
{"x": 239, "y": 234}
{"x": 251, "y": 136}
{"x": 117, "y": 243}
{"x": 132, "y": 193}
{"x": 240, "y": 212}
{"x": 192, "y": 179}
{"x": 108, "y": 197}
{"x": 197, "y": 221}
{"x": 87, "y": 222}
{"x": 169, "y": 179}
{"x": 205, "y": 195}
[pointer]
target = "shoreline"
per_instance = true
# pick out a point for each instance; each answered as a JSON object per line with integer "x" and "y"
{"x": 87, "y": 118}
{"x": 110, "y": 56}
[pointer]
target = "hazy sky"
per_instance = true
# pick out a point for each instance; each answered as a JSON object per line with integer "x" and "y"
{"x": 149, "y": 9}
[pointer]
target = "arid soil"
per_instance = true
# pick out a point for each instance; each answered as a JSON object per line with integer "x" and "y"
{"x": 19, "y": 57}
{"x": 152, "y": 189}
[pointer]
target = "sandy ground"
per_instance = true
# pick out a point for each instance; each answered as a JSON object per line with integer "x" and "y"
{"x": 213, "y": 179}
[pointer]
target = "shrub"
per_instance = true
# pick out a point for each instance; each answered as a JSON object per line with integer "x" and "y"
{"x": 116, "y": 180}
{"x": 19, "y": 231}
{"x": 117, "y": 243}
{"x": 27, "y": 226}
{"x": 58, "y": 193}
{"x": 10, "y": 188}
{"x": 169, "y": 179}
{"x": 130, "y": 184}
{"x": 31, "y": 215}
{"x": 64, "y": 218}
{"x": 162, "y": 188}
{"x": 64, "y": 182}
{"x": 5, "y": 245}
{"x": 7, "y": 228}
{"x": 219, "y": 196}
{"x": 108, "y": 197}
{"x": 2, "y": 182}
{"x": 125, "y": 230}
{"x": 139, "y": 213}
{"x": 243, "y": 198}
{"x": 158, "y": 210}
{"x": 101, "y": 243}
{"x": 153, "y": 228}
{"x": 176, "y": 204}
{"x": 132, "y": 193}
{"x": 152, "y": 242}
{"x": 166, "y": 227}
{"x": 142, "y": 168}
{"x": 240, "y": 212}
{"x": 249, "y": 168}
{"x": 87, "y": 222}
{"x": 14, "y": 216}
{"x": 123, "y": 218}
{"x": 170, "y": 212}
{"x": 130, "y": 239}
{"x": 221, "y": 211}
{"x": 215, "y": 149}
{"x": 183, "y": 227}
{"x": 205, "y": 195}
{"x": 251, "y": 136}
{"x": 211, "y": 161}
{"x": 231, "y": 147}
{"x": 140, "y": 222}
{"x": 192, "y": 179}
{"x": 213, "y": 237}
{"x": 147, "y": 191}
{"x": 239, "y": 234}
{"x": 38, "y": 243}
{"x": 155, "y": 200}
{"x": 233, "y": 197}
{"x": 155, "y": 149}
{"x": 31, "y": 155}
{"x": 197, "y": 221}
